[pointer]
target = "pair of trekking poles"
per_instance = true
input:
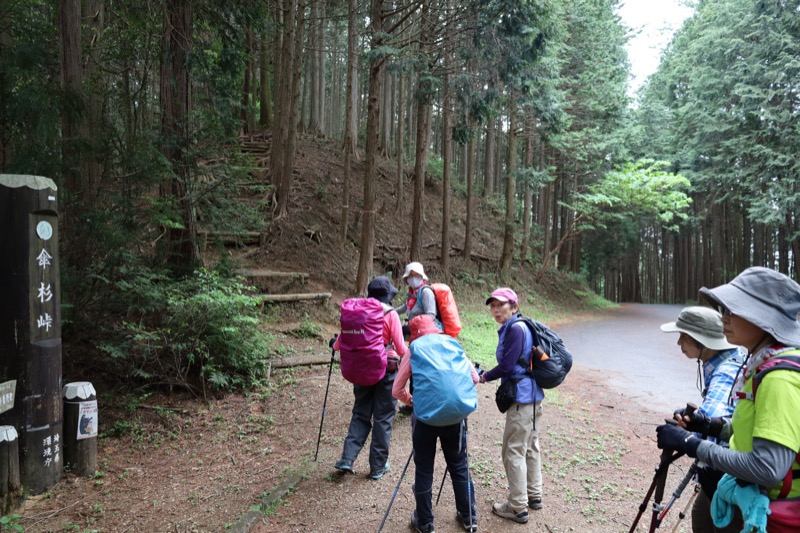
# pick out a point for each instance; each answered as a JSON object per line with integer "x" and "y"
{"x": 469, "y": 484}
{"x": 658, "y": 486}
{"x": 405, "y": 468}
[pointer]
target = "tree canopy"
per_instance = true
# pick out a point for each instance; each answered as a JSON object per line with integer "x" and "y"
{"x": 166, "y": 122}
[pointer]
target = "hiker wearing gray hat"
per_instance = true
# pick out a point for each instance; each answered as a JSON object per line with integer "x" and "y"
{"x": 718, "y": 365}
{"x": 759, "y": 310}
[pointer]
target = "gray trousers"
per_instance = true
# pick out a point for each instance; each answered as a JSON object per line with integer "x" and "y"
{"x": 373, "y": 410}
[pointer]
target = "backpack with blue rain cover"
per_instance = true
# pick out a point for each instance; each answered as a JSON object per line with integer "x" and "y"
{"x": 549, "y": 360}
{"x": 444, "y": 393}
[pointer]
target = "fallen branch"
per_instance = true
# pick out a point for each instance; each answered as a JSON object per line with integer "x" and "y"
{"x": 54, "y": 513}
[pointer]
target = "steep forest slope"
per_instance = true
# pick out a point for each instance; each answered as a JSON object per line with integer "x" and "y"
{"x": 308, "y": 238}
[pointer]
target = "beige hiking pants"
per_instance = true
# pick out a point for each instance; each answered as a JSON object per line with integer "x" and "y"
{"x": 521, "y": 454}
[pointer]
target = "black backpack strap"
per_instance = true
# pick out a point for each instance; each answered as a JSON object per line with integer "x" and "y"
{"x": 525, "y": 359}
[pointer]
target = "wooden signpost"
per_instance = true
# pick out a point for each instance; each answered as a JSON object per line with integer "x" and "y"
{"x": 80, "y": 428}
{"x": 30, "y": 325}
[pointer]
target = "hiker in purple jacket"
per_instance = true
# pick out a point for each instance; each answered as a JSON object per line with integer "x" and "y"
{"x": 521, "y": 452}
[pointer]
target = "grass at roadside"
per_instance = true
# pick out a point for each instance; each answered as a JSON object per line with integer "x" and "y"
{"x": 479, "y": 336}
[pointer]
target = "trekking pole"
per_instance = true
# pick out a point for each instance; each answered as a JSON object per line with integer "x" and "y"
{"x": 685, "y": 510}
{"x": 441, "y": 486}
{"x": 678, "y": 491}
{"x": 665, "y": 460}
{"x": 661, "y": 480}
{"x": 325, "y": 403}
{"x": 396, "y": 489}
{"x": 469, "y": 474}
{"x": 690, "y": 409}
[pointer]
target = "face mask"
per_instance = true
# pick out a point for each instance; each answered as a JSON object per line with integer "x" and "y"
{"x": 415, "y": 282}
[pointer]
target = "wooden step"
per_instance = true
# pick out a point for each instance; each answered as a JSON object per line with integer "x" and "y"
{"x": 227, "y": 237}
{"x": 297, "y": 297}
{"x": 301, "y": 360}
{"x": 253, "y": 148}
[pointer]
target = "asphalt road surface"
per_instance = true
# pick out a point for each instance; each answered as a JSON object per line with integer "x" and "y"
{"x": 637, "y": 358}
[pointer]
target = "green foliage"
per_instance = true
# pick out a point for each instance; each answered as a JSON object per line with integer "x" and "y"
{"x": 435, "y": 168}
{"x": 724, "y": 107}
{"x": 120, "y": 428}
{"x": 307, "y": 329}
{"x": 618, "y": 208}
{"x": 514, "y": 34}
{"x": 190, "y": 332}
{"x": 479, "y": 339}
{"x": 29, "y": 89}
{"x": 11, "y": 523}
{"x": 639, "y": 192}
{"x": 537, "y": 179}
{"x": 589, "y": 88}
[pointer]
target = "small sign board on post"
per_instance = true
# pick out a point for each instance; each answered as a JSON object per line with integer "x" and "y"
{"x": 87, "y": 420}
{"x": 7, "y": 390}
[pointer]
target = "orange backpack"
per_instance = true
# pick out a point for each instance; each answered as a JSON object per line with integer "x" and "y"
{"x": 446, "y": 309}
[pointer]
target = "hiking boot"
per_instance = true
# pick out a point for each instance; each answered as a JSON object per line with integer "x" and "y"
{"x": 503, "y": 510}
{"x": 343, "y": 465}
{"x": 466, "y": 525}
{"x": 535, "y": 503}
{"x": 427, "y": 528}
{"x": 377, "y": 474}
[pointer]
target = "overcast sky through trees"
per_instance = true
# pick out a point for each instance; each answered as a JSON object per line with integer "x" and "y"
{"x": 653, "y": 24}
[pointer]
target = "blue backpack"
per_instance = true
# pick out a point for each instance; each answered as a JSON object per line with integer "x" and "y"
{"x": 444, "y": 393}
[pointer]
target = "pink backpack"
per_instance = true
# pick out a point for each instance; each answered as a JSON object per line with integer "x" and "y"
{"x": 361, "y": 341}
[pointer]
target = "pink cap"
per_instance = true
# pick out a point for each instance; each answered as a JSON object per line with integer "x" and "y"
{"x": 503, "y": 295}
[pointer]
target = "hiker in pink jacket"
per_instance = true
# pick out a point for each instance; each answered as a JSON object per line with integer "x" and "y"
{"x": 374, "y": 406}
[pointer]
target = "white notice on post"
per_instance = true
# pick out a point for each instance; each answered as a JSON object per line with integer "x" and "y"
{"x": 87, "y": 420}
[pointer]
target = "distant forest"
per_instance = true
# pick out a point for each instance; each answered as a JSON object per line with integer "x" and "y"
{"x": 138, "y": 110}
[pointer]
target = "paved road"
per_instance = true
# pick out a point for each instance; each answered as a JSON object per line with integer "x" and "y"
{"x": 637, "y": 357}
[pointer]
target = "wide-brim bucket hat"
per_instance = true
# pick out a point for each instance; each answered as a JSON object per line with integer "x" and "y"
{"x": 414, "y": 268}
{"x": 765, "y": 298}
{"x": 703, "y": 324}
{"x": 381, "y": 289}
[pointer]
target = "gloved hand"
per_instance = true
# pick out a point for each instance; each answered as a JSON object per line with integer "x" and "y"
{"x": 332, "y": 341}
{"x": 671, "y": 437}
{"x": 700, "y": 423}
